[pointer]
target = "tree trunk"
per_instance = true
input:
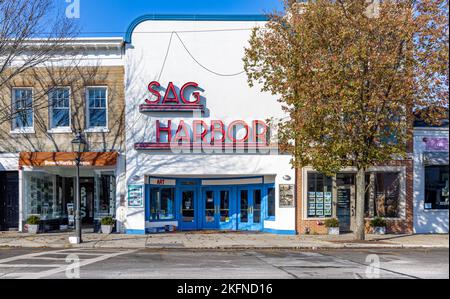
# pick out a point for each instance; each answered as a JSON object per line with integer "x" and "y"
{"x": 360, "y": 195}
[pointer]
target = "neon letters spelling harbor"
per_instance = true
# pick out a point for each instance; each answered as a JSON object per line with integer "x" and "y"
{"x": 216, "y": 134}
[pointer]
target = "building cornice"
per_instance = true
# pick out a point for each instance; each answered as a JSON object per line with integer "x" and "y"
{"x": 192, "y": 17}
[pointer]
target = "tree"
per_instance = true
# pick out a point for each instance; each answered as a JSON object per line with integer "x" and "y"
{"x": 32, "y": 34}
{"x": 350, "y": 76}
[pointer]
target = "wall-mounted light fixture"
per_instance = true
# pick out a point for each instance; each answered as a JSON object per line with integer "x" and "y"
{"x": 287, "y": 178}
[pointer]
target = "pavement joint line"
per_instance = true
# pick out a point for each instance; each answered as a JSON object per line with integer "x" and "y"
{"x": 259, "y": 257}
{"x": 31, "y": 266}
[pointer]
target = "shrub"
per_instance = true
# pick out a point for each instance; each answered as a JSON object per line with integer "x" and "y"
{"x": 378, "y": 222}
{"x": 33, "y": 220}
{"x": 333, "y": 222}
{"x": 108, "y": 221}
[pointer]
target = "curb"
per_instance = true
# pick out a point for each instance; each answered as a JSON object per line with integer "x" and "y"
{"x": 241, "y": 247}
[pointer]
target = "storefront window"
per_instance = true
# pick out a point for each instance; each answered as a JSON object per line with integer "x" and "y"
{"x": 271, "y": 203}
{"x": 320, "y": 196}
{"x": 41, "y": 197}
{"x": 162, "y": 204}
{"x": 383, "y": 195}
{"x": 436, "y": 187}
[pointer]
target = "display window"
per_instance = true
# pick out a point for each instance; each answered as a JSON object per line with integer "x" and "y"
{"x": 436, "y": 187}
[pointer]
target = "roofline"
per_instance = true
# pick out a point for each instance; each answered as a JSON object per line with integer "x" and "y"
{"x": 78, "y": 42}
{"x": 192, "y": 17}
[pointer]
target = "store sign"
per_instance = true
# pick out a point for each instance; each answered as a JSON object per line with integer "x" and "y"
{"x": 436, "y": 144}
{"x": 197, "y": 134}
{"x": 162, "y": 182}
{"x": 187, "y": 99}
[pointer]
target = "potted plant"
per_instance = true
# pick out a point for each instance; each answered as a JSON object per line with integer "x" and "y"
{"x": 333, "y": 226}
{"x": 378, "y": 225}
{"x": 107, "y": 225}
{"x": 33, "y": 224}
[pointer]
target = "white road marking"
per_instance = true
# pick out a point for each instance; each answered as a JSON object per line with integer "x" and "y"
{"x": 54, "y": 268}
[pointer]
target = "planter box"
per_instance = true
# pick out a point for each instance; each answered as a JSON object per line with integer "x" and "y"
{"x": 33, "y": 229}
{"x": 107, "y": 229}
{"x": 333, "y": 231}
{"x": 379, "y": 230}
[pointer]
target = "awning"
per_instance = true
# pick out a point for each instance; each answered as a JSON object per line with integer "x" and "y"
{"x": 94, "y": 159}
{"x": 435, "y": 158}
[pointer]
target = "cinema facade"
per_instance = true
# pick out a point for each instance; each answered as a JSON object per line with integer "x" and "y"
{"x": 200, "y": 154}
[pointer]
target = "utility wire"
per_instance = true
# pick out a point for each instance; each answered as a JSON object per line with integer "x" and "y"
{"x": 204, "y": 67}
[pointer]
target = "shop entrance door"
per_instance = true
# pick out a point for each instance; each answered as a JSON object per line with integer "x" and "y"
{"x": 217, "y": 208}
{"x": 188, "y": 209}
{"x": 9, "y": 200}
{"x": 87, "y": 200}
{"x": 343, "y": 208}
{"x": 249, "y": 209}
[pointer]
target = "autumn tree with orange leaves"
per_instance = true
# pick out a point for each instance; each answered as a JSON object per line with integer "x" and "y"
{"x": 350, "y": 75}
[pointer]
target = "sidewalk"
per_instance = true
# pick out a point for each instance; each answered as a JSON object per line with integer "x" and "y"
{"x": 214, "y": 240}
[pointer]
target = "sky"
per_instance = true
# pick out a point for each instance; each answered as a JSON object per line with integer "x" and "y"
{"x": 112, "y": 17}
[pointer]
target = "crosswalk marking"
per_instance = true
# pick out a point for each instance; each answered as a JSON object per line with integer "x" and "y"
{"x": 19, "y": 262}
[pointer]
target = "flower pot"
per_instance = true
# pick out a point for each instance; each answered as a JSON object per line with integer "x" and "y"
{"x": 33, "y": 228}
{"x": 107, "y": 229}
{"x": 379, "y": 230}
{"x": 333, "y": 231}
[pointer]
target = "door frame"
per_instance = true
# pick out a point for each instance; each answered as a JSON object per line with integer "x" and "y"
{"x": 8, "y": 223}
{"x": 195, "y": 200}
{"x": 352, "y": 206}
{"x": 250, "y": 225}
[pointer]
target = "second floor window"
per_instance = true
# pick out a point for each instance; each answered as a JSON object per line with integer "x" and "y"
{"x": 22, "y": 104}
{"x": 97, "y": 107}
{"x": 59, "y": 108}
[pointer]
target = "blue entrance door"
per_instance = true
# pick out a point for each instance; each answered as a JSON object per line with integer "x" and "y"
{"x": 224, "y": 206}
{"x": 209, "y": 217}
{"x": 217, "y": 208}
{"x": 249, "y": 209}
{"x": 188, "y": 210}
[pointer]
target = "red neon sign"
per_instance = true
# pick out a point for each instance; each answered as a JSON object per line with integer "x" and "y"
{"x": 172, "y": 100}
{"x": 200, "y": 130}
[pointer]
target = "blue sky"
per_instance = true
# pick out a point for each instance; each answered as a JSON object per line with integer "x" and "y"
{"x": 112, "y": 17}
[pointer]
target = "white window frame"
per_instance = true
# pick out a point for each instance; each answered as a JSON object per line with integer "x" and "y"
{"x": 24, "y": 130}
{"x": 89, "y": 129}
{"x": 57, "y": 130}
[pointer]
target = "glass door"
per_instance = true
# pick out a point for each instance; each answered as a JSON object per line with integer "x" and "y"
{"x": 243, "y": 222}
{"x": 224, "y": 208}
{"x": 250, "y": 209}
{"x": 256, "y": 210}
{"x": 188, "y": 215}
{"x": 210, "y": 209}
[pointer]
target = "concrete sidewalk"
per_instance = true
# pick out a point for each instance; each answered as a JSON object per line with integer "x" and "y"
{"x": 214, "y": 240}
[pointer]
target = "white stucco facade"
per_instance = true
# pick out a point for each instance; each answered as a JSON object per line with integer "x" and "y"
{"x": 428, "y": 220}
{"x": 208, "y": 52}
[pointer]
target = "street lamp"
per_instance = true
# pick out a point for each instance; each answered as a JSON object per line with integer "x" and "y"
{"x": 78, "y": 146}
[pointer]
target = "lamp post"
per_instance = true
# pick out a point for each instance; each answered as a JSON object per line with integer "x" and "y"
{"x": 78, "y": 146}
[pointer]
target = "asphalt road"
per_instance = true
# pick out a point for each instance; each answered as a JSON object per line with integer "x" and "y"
{"x": 236, "y": 264}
